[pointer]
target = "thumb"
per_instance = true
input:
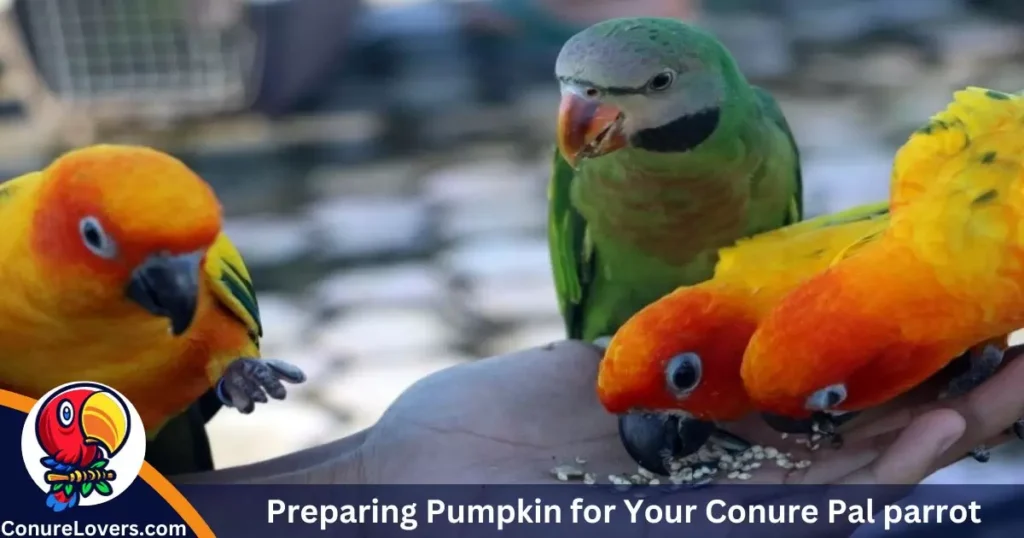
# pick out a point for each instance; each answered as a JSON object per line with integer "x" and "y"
{"x": 917, "y": 451}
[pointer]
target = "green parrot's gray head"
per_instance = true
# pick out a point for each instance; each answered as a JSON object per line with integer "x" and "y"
{"x": 655, "y": 84}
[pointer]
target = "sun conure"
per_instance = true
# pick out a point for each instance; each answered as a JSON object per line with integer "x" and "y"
{"x": 946, "y": 275}
{"x": 666, "y": 153}
{"x": 682, "y": 353}
{"x": 117, "y": 271}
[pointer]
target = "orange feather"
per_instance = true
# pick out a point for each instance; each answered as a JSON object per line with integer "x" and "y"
{"x": 947, "y": 274}
{"x": 64, "y": 315}
{"x": 716, "y": 318}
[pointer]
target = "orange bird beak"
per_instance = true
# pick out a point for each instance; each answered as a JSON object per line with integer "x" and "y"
{"x": 587, "y": 128}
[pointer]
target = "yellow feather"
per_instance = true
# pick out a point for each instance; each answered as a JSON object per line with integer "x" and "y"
{"x": 56, "y": 326}
{"x": 974, "y": 112}
{"x": 232, "y": 285}
{"x": 781, "y": 259}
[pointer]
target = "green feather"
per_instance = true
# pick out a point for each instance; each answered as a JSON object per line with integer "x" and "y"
{"x": 232, "y": 285}
{"x": 242, "y": 290}
{"x": 774, "y": 113}
{"x": 570, "y": 260}
{"x": 628, "y": 227}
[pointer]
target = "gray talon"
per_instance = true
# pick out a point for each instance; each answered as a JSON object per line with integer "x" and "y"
{"x": 1018, "y": 429}
{"x": 982, "y": 367}
{"x": 825, "y": 425}
{"x": 247, "y": 382}
{"x": 286, "y": 370}
{"x": 980, "y": 454}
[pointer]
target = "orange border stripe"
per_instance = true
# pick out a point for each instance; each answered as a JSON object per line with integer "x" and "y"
{"x": 148, "y": 474}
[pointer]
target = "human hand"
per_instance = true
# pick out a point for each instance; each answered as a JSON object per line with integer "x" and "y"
{"x": 906, "y": 440}
{"x": 510, "y": 419}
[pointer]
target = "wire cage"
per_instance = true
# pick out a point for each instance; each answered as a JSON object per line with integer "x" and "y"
{"x": 149, "y": 61}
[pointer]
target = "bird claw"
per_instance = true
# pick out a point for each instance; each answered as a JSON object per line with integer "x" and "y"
{"x": 982, "y": 366}
{"x": 825, "y": 425}
{"x": 980, "y": 454}
{"x": 821, "y": 423}
{"x": 1018, "y": 429}
{"x": 247, "y": 382}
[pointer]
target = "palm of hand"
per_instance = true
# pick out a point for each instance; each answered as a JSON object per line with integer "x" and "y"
{"x": 509, "y": 420}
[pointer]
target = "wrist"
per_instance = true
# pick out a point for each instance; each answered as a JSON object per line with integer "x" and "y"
{"x": 336, "y": 462}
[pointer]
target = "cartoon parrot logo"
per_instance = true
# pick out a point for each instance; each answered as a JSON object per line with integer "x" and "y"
{"x": 88, "y": 444}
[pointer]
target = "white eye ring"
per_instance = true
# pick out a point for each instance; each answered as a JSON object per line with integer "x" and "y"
{"x": 65, "y": 413}
{"x": 662, "y": 81}
{"x": 683, "y": 373}
{"x": 95, "y": 239}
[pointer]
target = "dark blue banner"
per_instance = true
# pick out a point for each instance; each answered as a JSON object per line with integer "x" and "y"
{"x": 601, "y": 510}
{"x": 72, "y": 471}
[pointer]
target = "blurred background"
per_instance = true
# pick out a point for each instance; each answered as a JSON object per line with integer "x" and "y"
{"x": 383, "y": 163}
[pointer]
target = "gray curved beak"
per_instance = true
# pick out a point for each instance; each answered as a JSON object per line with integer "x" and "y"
{"x": 655, "y": 439}
{"x": 168, "y": 286}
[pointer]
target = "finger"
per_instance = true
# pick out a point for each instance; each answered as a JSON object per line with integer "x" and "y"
{"x": 1004, "y": 437}
{"x": 990, "y": 409}
{"x": 826, "y": 471}
{"x": 888, "y": 423}
{"x": 902, "y": 415}
{"x": 889, "y": 419}
{"x": 917, "y": 451}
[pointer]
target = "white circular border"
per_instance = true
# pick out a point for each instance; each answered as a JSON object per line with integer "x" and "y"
{"x": 126, "y": 463}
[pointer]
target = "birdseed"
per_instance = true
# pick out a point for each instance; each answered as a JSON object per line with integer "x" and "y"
{"x": 618, "y": 480}
{"x": 567, "y": 472}
{"x": 705, "y": 465}
{"x": 638, "y": 479}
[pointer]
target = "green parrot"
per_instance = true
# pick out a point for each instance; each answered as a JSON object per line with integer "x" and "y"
{"x": 665, "y": 154}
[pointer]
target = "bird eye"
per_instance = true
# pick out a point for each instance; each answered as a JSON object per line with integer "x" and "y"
{"x": 682, "y": 374}
{"x": 662, "y": 81}
{"x": 65, "y": 413}
{"x": 95, "y": 239}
